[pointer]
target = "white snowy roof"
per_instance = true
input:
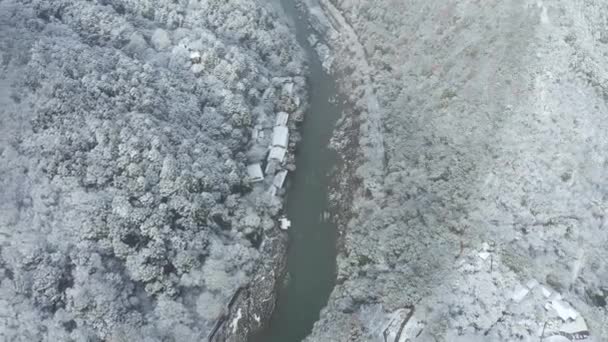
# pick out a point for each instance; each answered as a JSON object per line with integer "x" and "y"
{"x": 280, "y": 136}
{"x": 279, "y": 179}
{"x": 563, "y": 309}
{"x": 519, "y": 293}
{"x": 277, "y": 153}
{"x": 282, "y": 118}
{"x": 255, "y": 172}
{"x": 195, "y": 56}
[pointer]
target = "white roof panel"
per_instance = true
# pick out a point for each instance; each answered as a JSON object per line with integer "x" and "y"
{"x": 280, "y": 136}
{"x": 255, "y": 172}
{"x": 279, "y": 179}
{"x": 282, "y": 118}
{"x": 277, "y": 153}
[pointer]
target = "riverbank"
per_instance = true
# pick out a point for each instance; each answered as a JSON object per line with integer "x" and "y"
{"x": 311, "y": 253}
{"x": 253, "y": 304}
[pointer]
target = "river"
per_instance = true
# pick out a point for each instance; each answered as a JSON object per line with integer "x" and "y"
{"x": 311, "y": 259}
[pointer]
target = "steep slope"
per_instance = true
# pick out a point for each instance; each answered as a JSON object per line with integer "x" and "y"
{"x": 474, "y": 191}
{"x": 126, "y": 129}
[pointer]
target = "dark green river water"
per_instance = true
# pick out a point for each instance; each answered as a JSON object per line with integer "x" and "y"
{"x": 311, "y": 259}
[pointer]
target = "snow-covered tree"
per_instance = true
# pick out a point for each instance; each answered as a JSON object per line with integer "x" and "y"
{"x": 125, "y": 130}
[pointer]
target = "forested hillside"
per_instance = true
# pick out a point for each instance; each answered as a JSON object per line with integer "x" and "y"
{"x": 126, "y": 128}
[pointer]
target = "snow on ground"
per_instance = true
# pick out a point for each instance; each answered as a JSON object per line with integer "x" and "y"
{"x": 482, "y": 217}
{"x": 126, "y": 128}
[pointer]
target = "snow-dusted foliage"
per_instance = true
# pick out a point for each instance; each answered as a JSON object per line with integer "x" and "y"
{"x": 477, "y": 191}
{"x": 125, "y": 131}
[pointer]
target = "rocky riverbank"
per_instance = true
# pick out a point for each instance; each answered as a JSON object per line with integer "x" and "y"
{"x": 473, "y": 197}
{"x": 127, "y": 129}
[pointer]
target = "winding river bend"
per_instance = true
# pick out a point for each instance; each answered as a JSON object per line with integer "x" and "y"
{"x": 311, "y": 259}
